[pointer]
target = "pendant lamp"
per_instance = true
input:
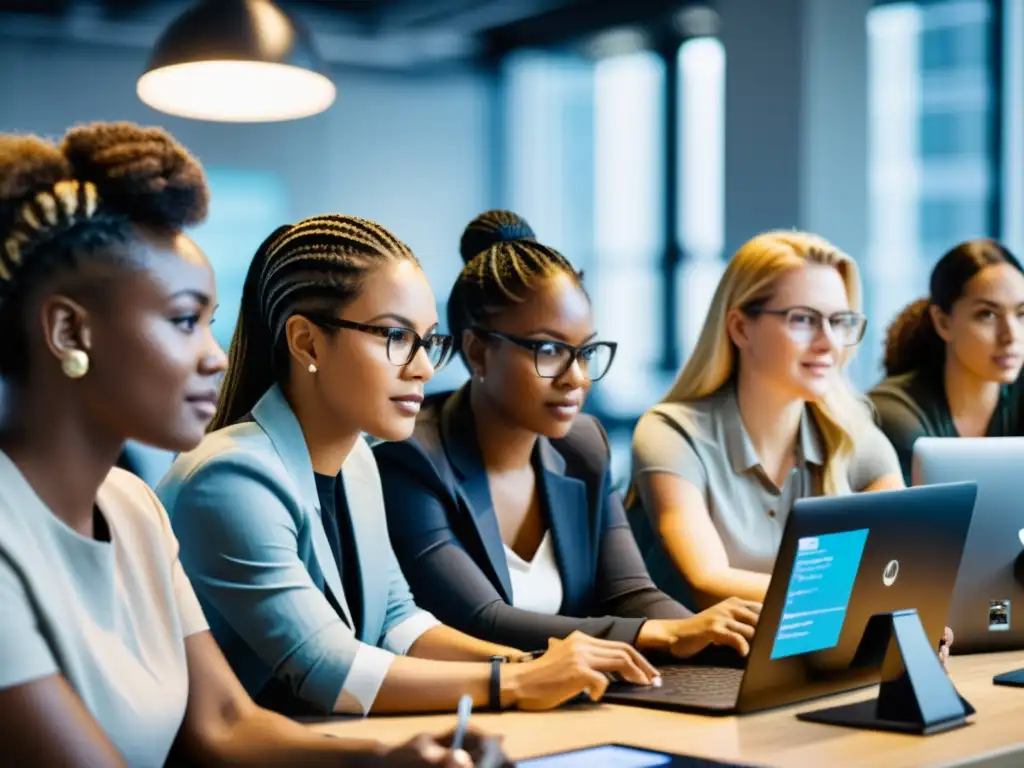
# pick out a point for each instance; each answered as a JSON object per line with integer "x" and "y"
{"x": 236, "y": 61}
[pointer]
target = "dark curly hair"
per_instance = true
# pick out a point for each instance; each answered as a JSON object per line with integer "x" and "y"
{"x": 912, "y": 343}
{"x": 504, "y": 264}
{"x": 60, "y": 204}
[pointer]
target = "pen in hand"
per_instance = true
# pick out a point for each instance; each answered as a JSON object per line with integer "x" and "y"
{"x": 462, "y": 724}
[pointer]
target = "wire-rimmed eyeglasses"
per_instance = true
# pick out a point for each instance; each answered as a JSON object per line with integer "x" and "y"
{"x": 804, "y": 323}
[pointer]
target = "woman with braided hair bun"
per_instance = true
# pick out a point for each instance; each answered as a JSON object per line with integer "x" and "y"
{"x": 105, "y": 312}
{"x": 501, "y": 507}
{"x": 280, "y": 510}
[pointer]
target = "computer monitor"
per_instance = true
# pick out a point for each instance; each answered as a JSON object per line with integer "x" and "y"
{"x": 846, "y": 563}
{"x": 987, "y": 609}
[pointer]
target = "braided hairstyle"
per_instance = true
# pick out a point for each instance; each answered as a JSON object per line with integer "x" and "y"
{"x": 504, "y": 265}
{"x": 912, "y": 343}
{"x": 316, "y": 265}
{"x": 62, "y": 204}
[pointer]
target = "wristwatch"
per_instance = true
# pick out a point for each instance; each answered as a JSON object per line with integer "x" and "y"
{"x": 494, "y": 696}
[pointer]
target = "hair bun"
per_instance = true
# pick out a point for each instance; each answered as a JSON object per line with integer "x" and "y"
{"x": 143, "y": 171}
{"x": 489, "y": 229}
{"x": 28, "y": 165}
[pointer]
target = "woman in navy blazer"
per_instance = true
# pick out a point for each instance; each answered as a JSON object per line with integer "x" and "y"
{"x": 279, "y": 511}
{"x": 500, "y": 508}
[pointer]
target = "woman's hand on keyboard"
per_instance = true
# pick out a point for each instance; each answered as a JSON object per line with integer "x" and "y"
{"x": 577, "y": 664}
{"x": 730, "y": 623}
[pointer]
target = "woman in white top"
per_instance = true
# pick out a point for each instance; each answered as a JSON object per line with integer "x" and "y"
{"x": 500, "y": 507}
{"x": 105, "y": 308}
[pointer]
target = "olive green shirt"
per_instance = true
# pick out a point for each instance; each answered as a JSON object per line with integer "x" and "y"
{"x": 914, "y": 405}
{"x": 706, "y": 443}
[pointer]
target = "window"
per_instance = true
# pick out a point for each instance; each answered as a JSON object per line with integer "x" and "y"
{"x": 932, "y": 154}
{"x": 245, "y": 207}
{"x": 585, "y": 166}
{"x": 549, "y": 153}
{"x": 628, "y": 224}
{"x": 1012, "y": 135}
{"x": 701, "y": 214}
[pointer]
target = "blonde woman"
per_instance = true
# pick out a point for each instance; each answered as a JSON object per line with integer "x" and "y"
{"x": 761, "y": 414}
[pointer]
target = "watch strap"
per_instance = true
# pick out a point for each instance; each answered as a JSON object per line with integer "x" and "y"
{"x": 494, "y": 697}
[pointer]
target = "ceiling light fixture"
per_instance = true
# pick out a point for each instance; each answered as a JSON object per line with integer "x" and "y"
{"x": 236, "y": 61}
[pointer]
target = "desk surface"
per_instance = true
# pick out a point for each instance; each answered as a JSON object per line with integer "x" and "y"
{"x": 774, "y": 738}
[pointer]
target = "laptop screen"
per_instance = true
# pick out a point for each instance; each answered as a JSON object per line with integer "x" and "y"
{"x": 819, "y": 591}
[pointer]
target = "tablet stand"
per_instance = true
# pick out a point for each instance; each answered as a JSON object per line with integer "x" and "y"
{"x": 915, "y": 695}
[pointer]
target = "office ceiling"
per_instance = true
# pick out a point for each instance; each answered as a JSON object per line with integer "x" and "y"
{"x": 384, "y": 34}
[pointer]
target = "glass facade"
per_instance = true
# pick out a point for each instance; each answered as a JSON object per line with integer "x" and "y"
{"x": 932, "y": 138}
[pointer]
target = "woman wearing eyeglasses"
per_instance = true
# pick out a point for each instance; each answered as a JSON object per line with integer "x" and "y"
{"x": 500, "y": 507}
{"x": 761, "y": 415}
{"x": 279, "y": 510}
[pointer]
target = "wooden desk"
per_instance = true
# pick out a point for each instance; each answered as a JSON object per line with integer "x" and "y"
{"x": 995, "y": 736}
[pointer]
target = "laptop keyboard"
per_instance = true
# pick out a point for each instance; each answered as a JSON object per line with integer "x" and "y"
{"x": 700, "y": 687}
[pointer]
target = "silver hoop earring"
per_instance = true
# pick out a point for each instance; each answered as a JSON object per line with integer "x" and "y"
{"x": 312, "y": 368}
{"x": 75, "y": 364}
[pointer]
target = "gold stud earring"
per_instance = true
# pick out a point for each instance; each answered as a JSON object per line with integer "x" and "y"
{"x": 75, "y": 364}
{"x": 312, "y": 368}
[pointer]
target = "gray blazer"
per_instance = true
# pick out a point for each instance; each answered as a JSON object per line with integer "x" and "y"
{"x": 445, "y": 533}
{"x": 245, "y": 510}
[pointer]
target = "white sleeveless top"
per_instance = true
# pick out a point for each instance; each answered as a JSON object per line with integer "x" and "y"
{"x": 536, "y": 585}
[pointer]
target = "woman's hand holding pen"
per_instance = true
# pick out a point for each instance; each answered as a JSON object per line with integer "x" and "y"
{"x": 577, "y": 664}
{"x": 462, "y": 748}
{"x": 730, "y": 622}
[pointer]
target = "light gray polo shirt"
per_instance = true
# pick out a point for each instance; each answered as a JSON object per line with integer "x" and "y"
{"x": 110, "y": 616}
{"x": 706, "y": 443}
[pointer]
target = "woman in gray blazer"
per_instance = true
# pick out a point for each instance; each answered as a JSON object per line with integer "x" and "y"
{"x": 500, "y": 508}
{"x": 280, "y": 514}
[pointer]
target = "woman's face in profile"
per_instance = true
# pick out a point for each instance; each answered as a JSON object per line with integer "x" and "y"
{"x": 985, "y": 329}
{"x": 795, "y": 347}
{"x": 529, "y": 385}
{"x": 363, "y": 377}
{"x": 154, "y": 364}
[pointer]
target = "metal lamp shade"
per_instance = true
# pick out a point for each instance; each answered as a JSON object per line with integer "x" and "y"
{"x": 236, "y": 61}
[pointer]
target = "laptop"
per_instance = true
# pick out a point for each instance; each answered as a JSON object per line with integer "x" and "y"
{"x": 987, "y": 610}
{"x": 844, "y": 562}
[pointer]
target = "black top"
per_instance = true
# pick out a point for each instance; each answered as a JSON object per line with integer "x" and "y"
{"x": 338, "y": 527}
{"x": 914, "y": 405}
{"x": 445, "y": 533}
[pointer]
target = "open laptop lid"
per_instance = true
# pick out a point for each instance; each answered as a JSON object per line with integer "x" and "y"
{"x": 987, "y": 609}
{"x": 842, "y": 561}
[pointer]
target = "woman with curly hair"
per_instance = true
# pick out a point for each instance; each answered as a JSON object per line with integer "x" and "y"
{"x": 953, "y": 359}
{"x": 105, "y": 312}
